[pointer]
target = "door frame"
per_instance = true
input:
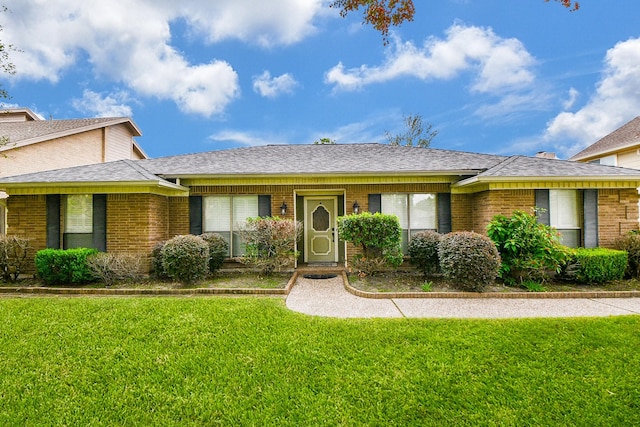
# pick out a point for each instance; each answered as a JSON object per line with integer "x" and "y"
{"x": 334, "y": 200}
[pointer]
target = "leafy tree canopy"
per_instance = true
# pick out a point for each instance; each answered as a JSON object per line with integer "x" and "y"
{"x": 382, "y": 14}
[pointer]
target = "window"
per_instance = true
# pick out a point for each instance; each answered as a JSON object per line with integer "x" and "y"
{"x": 417, "y": 212}
{"x": 564, "y": 215}
{"x": 225, "y": 215}
{"x": 78, "y": 221}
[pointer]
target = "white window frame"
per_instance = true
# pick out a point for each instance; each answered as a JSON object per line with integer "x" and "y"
{"x": 78, "y": 214}
{"x": 565, "y": 214}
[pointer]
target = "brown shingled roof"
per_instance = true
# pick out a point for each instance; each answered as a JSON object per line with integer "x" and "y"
{"x": 623, "y": 137}
{"x": 33, "y": 131}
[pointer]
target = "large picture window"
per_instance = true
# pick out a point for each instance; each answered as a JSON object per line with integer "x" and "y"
{"x": 225, "y": 215}
{"x": 416, "y": 212}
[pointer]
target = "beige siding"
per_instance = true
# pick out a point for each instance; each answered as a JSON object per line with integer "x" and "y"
{"x": 81, "y": 149}
{"x": 119, "y": 143}
{"x": 629, "y": 159}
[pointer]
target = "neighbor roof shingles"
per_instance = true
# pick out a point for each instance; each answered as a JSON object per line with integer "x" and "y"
{"x": 17, "y": 132}
{"x": 625, "y": 136}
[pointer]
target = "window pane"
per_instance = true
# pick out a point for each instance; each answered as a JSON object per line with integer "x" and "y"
{"x": 79, "y": 214}
{"x": 563, "y": 209}
{"x": 422, "y": 211}
{"x": 217, "y": 214}
{"x": 244, "y": 207}
{"x": 396, "y": 204}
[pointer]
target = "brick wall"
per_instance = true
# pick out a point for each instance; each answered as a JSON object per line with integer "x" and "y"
{"x": 136, "y": 222}
{"x": 27, "y": 217}
{"x": 178, "y": 216}
{"x": 485, "y": 205}
{"x": 617, "y": 214}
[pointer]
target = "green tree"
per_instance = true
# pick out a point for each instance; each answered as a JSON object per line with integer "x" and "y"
{"x": 417, "y": 133}
{"x": 324, "y": 141}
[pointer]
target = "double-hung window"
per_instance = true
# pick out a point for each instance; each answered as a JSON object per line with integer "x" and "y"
{"x": 416, "y": 212}
{"x": 78, "y": 221}
{"x": 225, "y": 215}
{"x": 564, "y": 215}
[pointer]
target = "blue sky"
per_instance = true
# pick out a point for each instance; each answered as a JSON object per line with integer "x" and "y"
{"x": 492, "y": 76}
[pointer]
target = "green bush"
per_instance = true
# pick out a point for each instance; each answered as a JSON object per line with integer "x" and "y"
{"x": 270, "y": 243}
{"x": 112, "y": 267}
{"x": 14, "y": 256}
{"x": 630, "y": 243}
{"x": 470, "y": 261}
{"x": 379, "y": 237}
{"x": 423, "y": 250}
{"x": 218, "y": 250}
{"x": 529, "y": 250}
{"x": 598, "y": 265}
{"x": 185, "y": 258}
{"x": 62, "y": 267}
{"x": 156, "y": 261}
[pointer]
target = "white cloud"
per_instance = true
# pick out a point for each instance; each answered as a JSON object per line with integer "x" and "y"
{"x": 97, "y": 105}
{"x": 245, "y": 138}
{"x": 272, "y": 87}
{"x": 573, "y": 97}
{"x": 130, "y": 42}
{"x": 501, "y": 64}
{"x": 616, "y": 101}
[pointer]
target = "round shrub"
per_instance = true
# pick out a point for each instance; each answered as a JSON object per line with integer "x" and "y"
{"x": 423, "y": 250}
{"x": 156, "y": 261}
{"x": 218, "y": 250}
{"x": 469, "y": 260}
{"x": 185, "y": 258}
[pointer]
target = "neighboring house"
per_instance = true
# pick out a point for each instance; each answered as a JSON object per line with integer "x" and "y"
{"x": 33, "y": 145}
{"x": 620, "y": 148}
{"x": 129, "y": 206}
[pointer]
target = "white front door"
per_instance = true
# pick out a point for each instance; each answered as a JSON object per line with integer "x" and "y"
{"x": 320, "y": 229}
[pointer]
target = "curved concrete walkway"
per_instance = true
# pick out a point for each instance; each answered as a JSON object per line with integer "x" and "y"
{"x": 329, "y": 298}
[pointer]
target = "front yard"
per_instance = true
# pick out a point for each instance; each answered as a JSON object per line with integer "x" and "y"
{"x": 250, "y": 361}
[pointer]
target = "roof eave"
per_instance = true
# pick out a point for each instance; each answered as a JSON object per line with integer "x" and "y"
{"x": 602, "y": 153}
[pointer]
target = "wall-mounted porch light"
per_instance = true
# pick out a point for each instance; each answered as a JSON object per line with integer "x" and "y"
{"x": 283, "y": 208}
{"x": 356, "y": 207}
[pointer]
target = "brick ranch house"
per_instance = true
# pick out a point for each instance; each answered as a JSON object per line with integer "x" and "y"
{"x": 130, "y": 205}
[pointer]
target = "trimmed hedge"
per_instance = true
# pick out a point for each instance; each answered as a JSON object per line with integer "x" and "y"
{"x": 423, "y": 250}
{"x": 64, "y": 266}
{"x": 185, "y": 258}
{"x": 379, "y": 237}
{"x": 470, "y": 261}
{"x": 598, "y": 265}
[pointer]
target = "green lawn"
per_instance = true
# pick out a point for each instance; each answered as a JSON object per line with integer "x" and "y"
{"x": 250, "y": 361}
